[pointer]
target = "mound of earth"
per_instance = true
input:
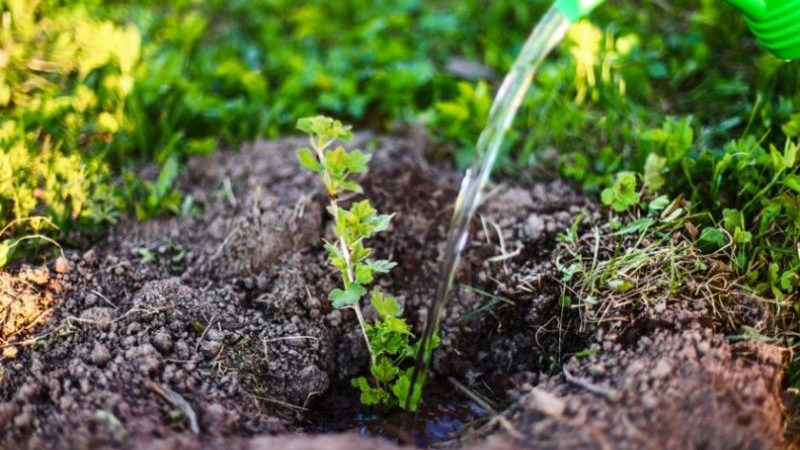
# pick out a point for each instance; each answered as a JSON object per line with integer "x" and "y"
{"x": 213, "y": 330}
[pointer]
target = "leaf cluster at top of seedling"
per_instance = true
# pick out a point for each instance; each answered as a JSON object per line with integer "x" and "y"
{"x": 389, "y": 338}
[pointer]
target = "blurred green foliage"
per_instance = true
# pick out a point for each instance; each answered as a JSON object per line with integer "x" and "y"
{"x": 677, "y": 93}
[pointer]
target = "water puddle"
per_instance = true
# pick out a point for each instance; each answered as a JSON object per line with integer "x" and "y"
{"x": 443, "y": 416}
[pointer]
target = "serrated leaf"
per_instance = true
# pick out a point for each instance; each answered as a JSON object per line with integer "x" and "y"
{"x": 622, "y": 195}
{"x": 351, "y": 186}
{"x": 363, "y": 274}
{"x": 369, "y": 395}
{"x": 358, "y": 161}
{"x": 308, "y": 160}
{"x": 324, "y": 128}
{"x": 336, "y": 162}
{"x": 385, "y": 305}
{"x": 342, "y": 298}
{"x": 712, "y": 238}
{"x": 381, "y": 222}
{"x": 384, "y": 371}
{"x": 396, "y": 325}
{"x": 362, "y": 210}
{"x": 382, "y": 265}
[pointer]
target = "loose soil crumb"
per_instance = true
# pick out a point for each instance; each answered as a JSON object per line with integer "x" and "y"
{"x": 214, "y": 330}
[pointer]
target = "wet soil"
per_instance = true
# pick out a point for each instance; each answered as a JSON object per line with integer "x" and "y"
{"x": 213, "y": 330}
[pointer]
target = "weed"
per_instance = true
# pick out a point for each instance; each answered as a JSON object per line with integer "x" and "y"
{"x": 388, "y": 339}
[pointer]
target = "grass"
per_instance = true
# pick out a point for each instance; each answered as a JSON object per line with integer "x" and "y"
{"x": 616, "y": 272}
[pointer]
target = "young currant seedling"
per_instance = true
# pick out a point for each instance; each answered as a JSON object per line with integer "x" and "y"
{"x": 388, "y": 339}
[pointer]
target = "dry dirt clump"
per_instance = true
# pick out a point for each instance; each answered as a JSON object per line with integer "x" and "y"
{"x": 213, "y": 330}
{"x": 25, "y": 300}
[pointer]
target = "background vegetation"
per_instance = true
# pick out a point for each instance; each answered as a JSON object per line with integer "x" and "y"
{"x": 646, "y": 98}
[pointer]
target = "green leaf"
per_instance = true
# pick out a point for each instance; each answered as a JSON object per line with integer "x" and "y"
{"x": 308, "y": 160}
{"x": 792, "y": 182}
{"x": 335, "y": 256}
{"x": 358, "y": 161}
{"x": 336, "y": 162}
{"x": 638, "y": 226}
{"x": 742, "y": 237}
{"x": 381, "y": 222}
{"x": 351, "y": 186}
{"x": 653, "y": 169}
{"x": 620, "y": 285}
{"x": 349, "y": 297}
{"x": 401, "y": 389}
{"x": 362, "y": 210}
{"x": 658, "y": 203}
{"x": 712, "y": 238}
{"x": 790, "y": 154}
{"x": 622, "y": 195}
{"x": 324, "y": 128}
{"x": 369, "y": 395}
{"x": 396, "y": 325}
{"x": 363, "y": 274}
{"x": 382, "y": 265}
{"x": 5, "y": 251}
{"x": 385, "y": 305}
{"x": 384, "y": 371}
{"x": 732, "y": 219}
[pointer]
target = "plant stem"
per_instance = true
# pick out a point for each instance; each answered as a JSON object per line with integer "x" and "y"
{"x": 348, "y": 274}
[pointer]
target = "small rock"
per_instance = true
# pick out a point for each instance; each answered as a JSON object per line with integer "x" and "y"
{"x": 219, "y": 420}
{"x": 162, "y": 341}
{"x": 62, "y": 265}
{"x": 7, "y": 412}
{"x": 662, "y": 369}
{"x": 182, "y": 350}
{"x": 544, "y": 402}
{"x": 649, "y": 401}
{"x": 210, "y": 348}
{"x": 10, "y": 352}
{"x": 215, "y": 335}
{"x": 100, "y": 355}
{"x": 534, "y": 226}
{"x": 90, "y": 257}
{"x": 634, "y": 368}
{"x": 24, "y": 420}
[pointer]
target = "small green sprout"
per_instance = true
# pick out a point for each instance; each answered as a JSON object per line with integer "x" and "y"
{"x": 388, "y": 339}
{"x": 623, "y": 194}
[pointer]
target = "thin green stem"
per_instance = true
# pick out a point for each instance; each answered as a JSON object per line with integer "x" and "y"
{"x": 348, "y": 276}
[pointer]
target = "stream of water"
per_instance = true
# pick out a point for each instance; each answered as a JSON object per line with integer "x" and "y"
{"x": 545, "y": 36}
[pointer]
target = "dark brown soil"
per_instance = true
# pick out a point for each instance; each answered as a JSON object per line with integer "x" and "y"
{"x": 214, "y": 330}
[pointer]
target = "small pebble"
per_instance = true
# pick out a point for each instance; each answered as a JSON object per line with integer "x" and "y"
{"x": 10, "y": 352}
{"x": 100, "y": 355}
{"x": 62, "y": 265}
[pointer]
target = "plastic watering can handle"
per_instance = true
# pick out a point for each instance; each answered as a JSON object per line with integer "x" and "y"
{"x": 775, "y": 23}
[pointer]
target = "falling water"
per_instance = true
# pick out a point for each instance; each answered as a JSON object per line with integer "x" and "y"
{"x": 545, "y": 36}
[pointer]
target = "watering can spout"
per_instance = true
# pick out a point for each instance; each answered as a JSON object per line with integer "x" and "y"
{"x": 755, "y": 9}
{"x": 775, "y": 23}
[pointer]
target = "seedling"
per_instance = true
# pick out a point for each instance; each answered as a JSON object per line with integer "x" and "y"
{"x": 388, "y": 339}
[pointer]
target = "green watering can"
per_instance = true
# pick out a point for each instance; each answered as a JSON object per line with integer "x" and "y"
{"x": 775, "y": 23}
